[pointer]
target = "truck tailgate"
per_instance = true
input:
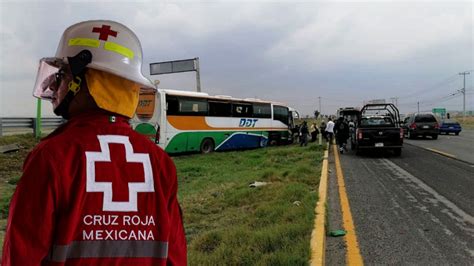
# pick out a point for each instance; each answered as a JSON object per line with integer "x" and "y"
{"x": 380, "y": 137}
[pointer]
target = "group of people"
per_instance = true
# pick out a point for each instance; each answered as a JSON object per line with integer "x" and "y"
{"x": 340, "y": 130}
{"x": 304, "y": 132}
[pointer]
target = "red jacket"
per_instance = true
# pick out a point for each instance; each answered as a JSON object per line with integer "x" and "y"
{"x": 95, "y": 192}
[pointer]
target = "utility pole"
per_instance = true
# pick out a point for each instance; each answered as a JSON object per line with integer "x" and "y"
{"x": 320, "y": 111}
{"x": 198, "y": 75}
{"x": 464, "y": 95}
{"x": 418, "y": 103}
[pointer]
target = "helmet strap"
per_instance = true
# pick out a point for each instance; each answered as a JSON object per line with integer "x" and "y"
{"x": 77, "y": 65}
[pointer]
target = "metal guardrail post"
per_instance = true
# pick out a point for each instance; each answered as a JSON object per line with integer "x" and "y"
{"x": 35, "y": 127}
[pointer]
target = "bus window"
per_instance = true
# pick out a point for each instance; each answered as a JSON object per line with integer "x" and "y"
{"x": 146, "y": 104}
{"x": 192, "y": 106}
{"x": 280, "y": 113}
{"x": 185, "y": 106}
{"x": 172, "y": 105}
{"x": 262, "y": 110}
{"x": 220, "y": 109}
{"x": 241, "y": 110}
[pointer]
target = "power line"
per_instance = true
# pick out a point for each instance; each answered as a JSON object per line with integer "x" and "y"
{"x": 446, "y": 81}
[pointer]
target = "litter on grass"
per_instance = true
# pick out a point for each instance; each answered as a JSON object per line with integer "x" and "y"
{"x": 258, "y": 184}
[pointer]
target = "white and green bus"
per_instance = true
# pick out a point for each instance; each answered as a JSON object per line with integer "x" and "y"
{"x": 184, "y": 121}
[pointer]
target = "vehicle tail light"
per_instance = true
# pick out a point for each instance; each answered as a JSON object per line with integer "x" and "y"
{"x": 413, "y": 126}
{"x": 436, "y": 126}
{"x": 401, "y": 133}
{"x": 359, "y": 134}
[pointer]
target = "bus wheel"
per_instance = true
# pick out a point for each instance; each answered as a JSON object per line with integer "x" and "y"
{"x": 207, "y": 146}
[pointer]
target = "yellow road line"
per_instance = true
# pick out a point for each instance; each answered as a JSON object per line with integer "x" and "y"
{"x": 353, "y": 256}
{"x": 441, "y": 152}
{"x": 319, "y": 232}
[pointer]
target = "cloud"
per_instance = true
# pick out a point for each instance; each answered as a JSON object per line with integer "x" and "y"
{"x": 294, "y": 52}
{"x": 374, "y": 33}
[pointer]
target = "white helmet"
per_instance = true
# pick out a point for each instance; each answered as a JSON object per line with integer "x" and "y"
{"x": 114, "y": 47}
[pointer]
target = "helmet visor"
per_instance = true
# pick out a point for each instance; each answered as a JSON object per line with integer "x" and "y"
{"x": 50, "y": 73}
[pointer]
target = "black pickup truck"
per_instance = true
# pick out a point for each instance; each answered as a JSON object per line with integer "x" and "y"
{"x": 378, "y": 127}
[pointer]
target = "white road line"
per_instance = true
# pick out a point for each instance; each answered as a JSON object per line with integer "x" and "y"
{"x": 453, "y": 207}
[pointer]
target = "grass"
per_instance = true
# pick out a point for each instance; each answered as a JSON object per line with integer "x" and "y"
{"x": 10, "y": 171}
{"x": 468, "y": 123}
{"x": 226, "y": 221}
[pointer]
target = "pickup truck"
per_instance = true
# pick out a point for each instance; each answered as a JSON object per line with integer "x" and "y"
{"x": 378, "y": 127}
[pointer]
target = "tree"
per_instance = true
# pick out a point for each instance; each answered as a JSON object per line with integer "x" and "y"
{"x": 316, "y": 114}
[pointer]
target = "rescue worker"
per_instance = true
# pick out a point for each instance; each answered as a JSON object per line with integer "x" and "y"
{"x": 304, "y": 134}
{"x": 95, "y": 191}
{"x": 329, "y": 130}
{"x": 342, "y": 134}
{"x": 322, "y": 128}
{"x": 314, "y": 131}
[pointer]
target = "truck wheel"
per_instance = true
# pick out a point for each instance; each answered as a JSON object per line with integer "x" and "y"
{"x": 457, "y": 133}
{"x": 397, "y": 151}
{"x": 434, "y": 136}
{"x": 207, "y": 146}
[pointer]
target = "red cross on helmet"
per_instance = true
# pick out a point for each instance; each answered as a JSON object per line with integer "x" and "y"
{"x": 114, "y": 47}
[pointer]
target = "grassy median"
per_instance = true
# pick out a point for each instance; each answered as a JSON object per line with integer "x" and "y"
{"x": 226, "y": 220}
{"x": 229, "y": 222}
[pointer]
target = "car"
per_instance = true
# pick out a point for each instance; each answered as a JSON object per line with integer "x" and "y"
{"x": 421, "y": 124}
{"x": 449, "y": 126}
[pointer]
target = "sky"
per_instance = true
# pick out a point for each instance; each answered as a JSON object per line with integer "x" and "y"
{"x": 339, "y": 53}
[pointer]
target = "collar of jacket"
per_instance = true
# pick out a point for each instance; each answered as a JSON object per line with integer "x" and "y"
{"x": 98, "y": 116}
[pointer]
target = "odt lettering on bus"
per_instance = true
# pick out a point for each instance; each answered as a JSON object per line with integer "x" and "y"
{"x": 248, "y": 122}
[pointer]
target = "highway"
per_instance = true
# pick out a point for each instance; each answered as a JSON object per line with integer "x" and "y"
{"x": 413, "y": 209}
{"x": 461, "y": 146}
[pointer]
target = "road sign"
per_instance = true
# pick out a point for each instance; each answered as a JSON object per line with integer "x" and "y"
{"x": 173, "y": 67}
{"x": 177, "y": 66}
{"x": 441, "y": 111}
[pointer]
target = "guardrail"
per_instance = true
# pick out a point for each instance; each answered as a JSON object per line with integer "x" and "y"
{"x": 15, "y": 124}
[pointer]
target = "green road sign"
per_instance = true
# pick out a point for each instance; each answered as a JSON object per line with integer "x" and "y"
{"x": 440, "y": 111}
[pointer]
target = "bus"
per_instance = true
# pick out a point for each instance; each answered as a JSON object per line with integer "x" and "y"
{"x": 184, "y": 121}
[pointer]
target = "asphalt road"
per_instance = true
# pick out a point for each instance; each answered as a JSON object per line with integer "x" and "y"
{"x": 413, "y": 209}
{"x": 461, "y": 146}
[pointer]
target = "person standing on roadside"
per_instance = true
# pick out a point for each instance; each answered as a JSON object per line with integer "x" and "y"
{"x": 329, "y": 130}
{"x": 95, "y": 192}
{"x": 304, "y": 134}
{"x": 342, "y": 134}
{"x": 314, "y": 131}
{"x": 322, "y": 130}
